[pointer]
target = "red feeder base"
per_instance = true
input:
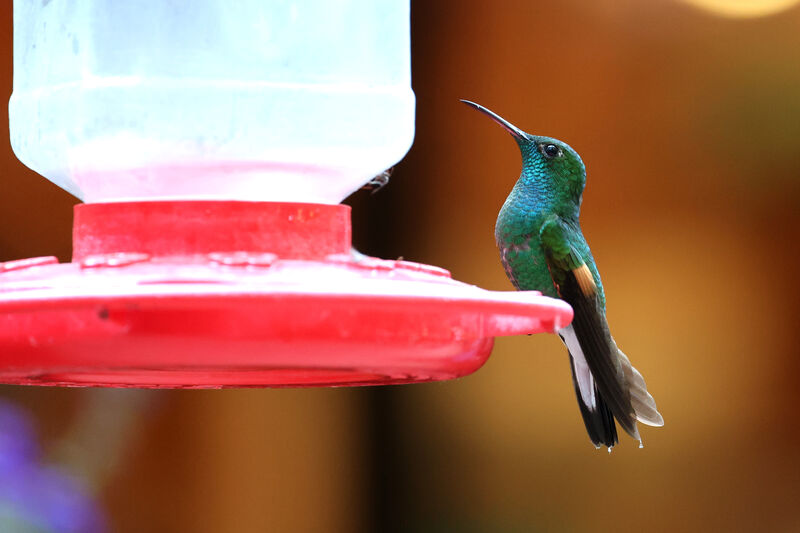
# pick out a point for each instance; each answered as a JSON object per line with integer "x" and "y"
{"x": 214, "y": 294}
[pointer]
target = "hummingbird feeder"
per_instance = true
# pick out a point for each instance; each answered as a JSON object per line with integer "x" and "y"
{"x": 212, "y": 144}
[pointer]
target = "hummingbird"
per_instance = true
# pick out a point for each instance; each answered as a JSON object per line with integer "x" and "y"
{"x": 542, "y": 248}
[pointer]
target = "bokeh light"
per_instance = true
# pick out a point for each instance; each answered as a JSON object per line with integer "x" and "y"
{"x": 743, "y": 8}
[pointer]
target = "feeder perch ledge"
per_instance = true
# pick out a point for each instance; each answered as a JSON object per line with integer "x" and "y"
{"x": 207, "y": 294}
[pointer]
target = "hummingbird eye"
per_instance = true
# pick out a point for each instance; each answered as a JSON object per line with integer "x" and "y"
{"x": 550, "y": 150}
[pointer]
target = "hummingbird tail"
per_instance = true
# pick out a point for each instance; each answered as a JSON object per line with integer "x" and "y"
{"x": 642, "y": 401}
{"x": 597, "y": 417}
{"x": 590, "y": 341}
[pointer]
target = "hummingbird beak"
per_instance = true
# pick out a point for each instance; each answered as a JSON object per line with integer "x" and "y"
{"x": 509, "y": 127}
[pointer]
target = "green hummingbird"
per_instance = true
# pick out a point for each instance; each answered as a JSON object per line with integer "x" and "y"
{"x": 542, "y": 248}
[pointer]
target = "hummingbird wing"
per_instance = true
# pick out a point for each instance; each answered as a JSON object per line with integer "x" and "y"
{"x": 576, "y": 285}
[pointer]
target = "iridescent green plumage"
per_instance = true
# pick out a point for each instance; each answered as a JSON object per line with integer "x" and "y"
{"x": 542, "y": 248}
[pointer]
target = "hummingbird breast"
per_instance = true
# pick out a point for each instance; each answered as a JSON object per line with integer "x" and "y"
{"x": 521, "y": 252}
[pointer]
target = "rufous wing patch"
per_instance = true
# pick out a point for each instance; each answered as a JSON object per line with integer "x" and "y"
{"x": 585, "y": 280}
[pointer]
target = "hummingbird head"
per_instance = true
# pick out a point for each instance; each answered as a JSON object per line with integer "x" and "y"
{"x": 546, "y": 162}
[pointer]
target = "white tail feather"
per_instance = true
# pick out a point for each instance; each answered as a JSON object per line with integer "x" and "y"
{"x": 582, "y": 373}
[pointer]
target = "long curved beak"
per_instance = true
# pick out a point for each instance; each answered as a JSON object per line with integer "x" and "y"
{"x": 509, "y": 127}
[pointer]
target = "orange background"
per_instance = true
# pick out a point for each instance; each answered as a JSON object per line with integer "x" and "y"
{"x": 689, "y": 124}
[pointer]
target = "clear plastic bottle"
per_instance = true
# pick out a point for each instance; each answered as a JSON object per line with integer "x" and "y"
{"x": 211, "y": 99}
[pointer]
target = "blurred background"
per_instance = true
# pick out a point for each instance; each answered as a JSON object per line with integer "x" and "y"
{"x": 687, "y": 115}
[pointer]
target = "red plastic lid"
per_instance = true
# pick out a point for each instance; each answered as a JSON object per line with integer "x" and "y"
{"x": 239, "y": 294}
